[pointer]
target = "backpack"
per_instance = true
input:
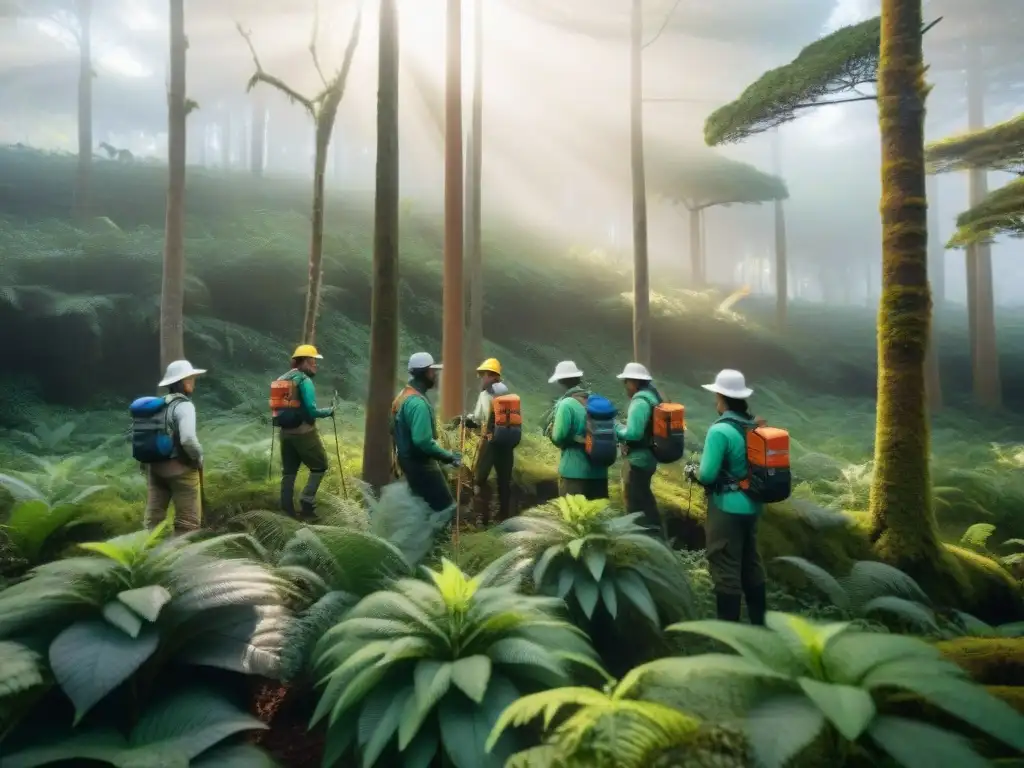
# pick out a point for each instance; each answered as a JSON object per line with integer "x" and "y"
{"x": 285, "y": 405}
{"x": 507, "y": 431}
{"x": 668, "y": 432}
{"x": 769, "y": 479}
{"x": 396, "y": 407}
{"x": 601, "y": 443}
{"x": 153, "y": 436}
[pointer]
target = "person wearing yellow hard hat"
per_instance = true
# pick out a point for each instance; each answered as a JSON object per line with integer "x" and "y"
{"x": 300, "y": 440}
{"x": 490, "y": 456}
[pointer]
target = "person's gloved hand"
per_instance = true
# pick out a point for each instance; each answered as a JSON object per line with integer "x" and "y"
{"x": 456, "y": 460}
{"x": 690, "y": 472}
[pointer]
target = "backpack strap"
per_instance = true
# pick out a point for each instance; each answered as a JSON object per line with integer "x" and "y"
{"x": 652, "y": 396}
{"x": 726, "y": 481}
{"x": 172, "y": 402}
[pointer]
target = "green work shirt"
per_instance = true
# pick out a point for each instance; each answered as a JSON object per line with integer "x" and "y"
{"x": 415, "y": 430}
{"x": 637, "y": 430}
{"x": 567, "y": 431}
{"x": 307, "y": 397}
{"x": 725, "y": 456}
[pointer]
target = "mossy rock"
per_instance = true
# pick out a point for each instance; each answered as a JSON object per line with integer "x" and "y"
{"x": 989, "y": 590}
{"x": 990, "y": 661}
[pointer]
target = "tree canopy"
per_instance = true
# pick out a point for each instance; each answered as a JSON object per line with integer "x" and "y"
{"x": 999, "y": 147}
{"x": 702, "y": 179}
{"x": 836, "y": 64}
{"x": 1000, "y": 213}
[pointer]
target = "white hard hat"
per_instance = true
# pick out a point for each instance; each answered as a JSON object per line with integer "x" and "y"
{"x": 178, "y": 370}
{"x": 422, "y": 360}
{"x": 635, "y": 372}
{"x": 565, "y": 370}
{"x": 498, "y": 388}
{"x": 730, "y": 383}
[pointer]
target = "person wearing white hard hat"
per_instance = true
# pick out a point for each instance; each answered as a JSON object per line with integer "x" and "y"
{"x": 173, "y": 475}
{"x": 635, "y": 436}
{"x": 732, "y": 517}
{"x": 414, "y": 433}
{"x": 567, "y": 429}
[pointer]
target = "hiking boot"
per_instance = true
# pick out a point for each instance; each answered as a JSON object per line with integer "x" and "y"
{"x": 307, "y": 510}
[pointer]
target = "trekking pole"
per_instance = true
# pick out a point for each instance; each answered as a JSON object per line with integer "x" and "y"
{"x": 202, "y": 497}
{"x": 337, "y": 446}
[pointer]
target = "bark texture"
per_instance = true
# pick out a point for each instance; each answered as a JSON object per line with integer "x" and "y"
{"x": 384, "y": 306}
{"x": 903, "y": 521}
{"x": 641, "y": 274}
{"x": 85, "y": 76}
{"x": 453, "y": 288}
{"x": 474, "y": 211}
{"x": 172, "y": 293}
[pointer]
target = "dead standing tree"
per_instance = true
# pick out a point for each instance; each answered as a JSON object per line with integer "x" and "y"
{"x": 323, "y": 108}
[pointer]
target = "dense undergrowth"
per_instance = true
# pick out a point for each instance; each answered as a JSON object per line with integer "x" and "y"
{"x": 558, "y": 610}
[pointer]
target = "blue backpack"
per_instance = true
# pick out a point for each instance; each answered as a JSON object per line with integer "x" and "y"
{"x": 153, "y": 437}
{"x": 601, "y": 444}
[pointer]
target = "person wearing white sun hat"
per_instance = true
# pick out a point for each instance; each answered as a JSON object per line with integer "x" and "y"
{"x": 414, "y": 433}
{"x": 732, "y": 516}
{"x": 635, "y": 436}
{"x": 174, "y": 479}
{"x": 567, "y": 429}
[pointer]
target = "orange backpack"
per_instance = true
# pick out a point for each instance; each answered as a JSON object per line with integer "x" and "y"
{"x": 284, "y": 396}
{"x": 508, "y": 421}
{"x": 769, "y": 479}
{"x": 668, "y": 432}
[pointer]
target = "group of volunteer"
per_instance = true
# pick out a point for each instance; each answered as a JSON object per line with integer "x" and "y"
{"x": 581, "y": 425}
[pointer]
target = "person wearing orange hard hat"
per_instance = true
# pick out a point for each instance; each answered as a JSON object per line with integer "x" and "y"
{"x": 490, "y": 456}
{"x": 300, "y": 440}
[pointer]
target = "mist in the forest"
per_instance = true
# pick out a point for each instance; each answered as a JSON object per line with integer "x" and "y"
{"x": 556, "y": 112}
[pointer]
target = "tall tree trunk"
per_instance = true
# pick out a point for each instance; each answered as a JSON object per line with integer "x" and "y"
{"x": 172, "y": 294}
{"x": 85, "y": 76}
{"x": 258, "y": 138}
{"x": 316, "y": 244}
{"x": 903, "y": 521}
{"x": 474, "y": 210}
{"x": 339, "y": 155}
{"x": 980, "y": 292}
{"x": 453, "y": 288}
{"x": 936, "y": 268}
{"x": 696, "y": 250}
{"x": 781, "y": 264}
{"x": 384, "y": 320}
{"x": 641, "y": 274}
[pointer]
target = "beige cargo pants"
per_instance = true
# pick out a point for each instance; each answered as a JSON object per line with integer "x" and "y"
{"x": 173, "y": 481}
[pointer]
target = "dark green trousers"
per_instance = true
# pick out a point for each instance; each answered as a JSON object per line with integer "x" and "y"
{"x": 501, "y": 460}
{"x": 591, "y": 488}
{"x": 298, "y": 449}
{"x": 733, "y": 559}
{"x": 638, "y": 495}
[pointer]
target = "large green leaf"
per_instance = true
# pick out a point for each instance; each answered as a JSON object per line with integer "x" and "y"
{"x": 781, "y": 727}
{"x": 431, "y": 679}
{"x": 382, "y": 729}
{"x": 914, "y": 744}
{"x": 191, "y": 722}
{"x": 752, "y": 642}
{"x": 586, "y": 592}
{"x": 123, "y": 617}
{"x": 31, "y": 523}
{"x": 608, "y": 596}
{"x": 146, "y": 601}
{"x": 240, "y": 638}
{"x": 540, "y": 568}
{"x": 595, "y": 559}
{"x": 471, "y": 675}
{"x": 423, "y": 750}
{"x": 465, "y": 728}
{"x": 238, "y": 756}
{"x": 20, "y": 669}
{"x": 104, "y": 746}
{"x": 89, "y": 659}
{"x": 849, "y": 709}
{"x": 852, "y": 655}
{"x": 636, "y": 592}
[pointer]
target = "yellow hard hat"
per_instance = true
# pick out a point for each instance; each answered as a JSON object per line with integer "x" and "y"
{"x": 306, "y": 350}
{"x": 490, "y": 365}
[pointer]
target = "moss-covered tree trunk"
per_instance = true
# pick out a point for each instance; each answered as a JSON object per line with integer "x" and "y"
{"x": 172, "y": 292}
{"x": 641, "y": 275}
{"x": 904, "y": 529}
{"x": 315, "y": 280}
{"x": 85, "y": 76}
{"x": 936, "y": 268}
{"x": 980, "y": 295}
{"x": 453, "y": 287}
{"x": 384, "y": 306}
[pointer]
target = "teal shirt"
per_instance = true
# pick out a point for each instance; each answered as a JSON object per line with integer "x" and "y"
{"x": 568, "y": 430}
{"x": 416, "y": 431}
{"x": 307, "y": 397}
{"x": 725, "y": 454}
{"x": 637, "y": 430}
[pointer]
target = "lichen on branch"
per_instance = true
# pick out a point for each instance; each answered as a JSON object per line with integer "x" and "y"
{"x": 1000, "y": 213}
{"x": 999, "y": 147}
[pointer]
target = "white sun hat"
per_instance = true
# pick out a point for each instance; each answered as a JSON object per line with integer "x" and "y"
{"x": 730, "y": 383}
{"x": 420, "y": 361}
{"x": 565, "y": 370}
{"x": 178, "y": 370}
{"x": 635, "y": 372}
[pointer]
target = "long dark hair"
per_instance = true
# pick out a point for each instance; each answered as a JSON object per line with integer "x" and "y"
{"x": 737, "y": 406}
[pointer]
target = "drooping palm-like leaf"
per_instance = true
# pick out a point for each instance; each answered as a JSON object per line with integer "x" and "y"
{"x": 588, "y": 554}
{"x": 426, "y": 667}
{"x": 340, "y": 567}
{"x": 606, "y": 728}
{"x": 139, "y": 600}
{"x": 871, "y": 587}
{"x": 817, "y": 676}
{"x": 183, "y": 729}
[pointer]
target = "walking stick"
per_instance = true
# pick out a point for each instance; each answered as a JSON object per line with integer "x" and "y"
{"x": 337, "y": 446}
